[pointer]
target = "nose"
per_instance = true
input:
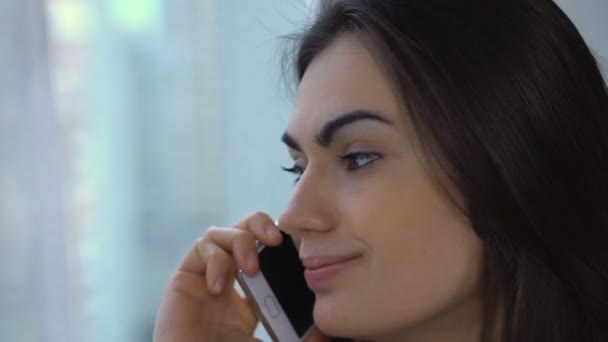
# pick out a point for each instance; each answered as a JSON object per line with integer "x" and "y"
{"x": 310, "y": 209}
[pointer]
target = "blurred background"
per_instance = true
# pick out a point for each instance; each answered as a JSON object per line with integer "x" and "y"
{"x": 126, "y": 128}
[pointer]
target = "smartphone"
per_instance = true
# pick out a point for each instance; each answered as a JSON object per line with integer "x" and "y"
{"x": 282, "y": 298}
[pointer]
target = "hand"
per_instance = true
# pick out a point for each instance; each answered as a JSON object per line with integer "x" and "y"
{"x": 200, "y": 302}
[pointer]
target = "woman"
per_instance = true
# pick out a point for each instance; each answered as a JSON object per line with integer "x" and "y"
{"x": 457, "y": 151}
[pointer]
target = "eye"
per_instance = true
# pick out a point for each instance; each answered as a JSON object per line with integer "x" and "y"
{"x": 358, "y": 160}
{"x": 296, "y": 170}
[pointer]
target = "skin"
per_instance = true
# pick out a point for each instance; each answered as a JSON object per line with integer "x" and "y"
{"x": 200, "y": 302}
{"x": 417, "y": 267}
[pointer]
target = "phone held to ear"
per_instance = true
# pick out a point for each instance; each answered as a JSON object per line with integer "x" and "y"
{"x": 280, "y": 293}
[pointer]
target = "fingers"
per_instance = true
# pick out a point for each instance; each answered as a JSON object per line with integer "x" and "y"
{"x": 239, "y": 243}
{"x": 220, "y": 269}
{"x": 217, "y": 252}
{"x": 263, "y": 228}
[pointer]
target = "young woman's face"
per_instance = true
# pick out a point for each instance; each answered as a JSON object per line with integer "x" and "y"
{"x": 404, "y": 261}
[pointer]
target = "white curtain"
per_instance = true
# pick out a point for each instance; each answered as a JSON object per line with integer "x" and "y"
{"x": 35, "y": 289}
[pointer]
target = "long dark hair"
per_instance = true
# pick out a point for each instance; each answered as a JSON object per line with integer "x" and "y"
{"x": 509, "y": 100}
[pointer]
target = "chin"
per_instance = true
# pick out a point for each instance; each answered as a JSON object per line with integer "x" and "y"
{"x": 339, "y": 318}
{"x": 344, "y": 316}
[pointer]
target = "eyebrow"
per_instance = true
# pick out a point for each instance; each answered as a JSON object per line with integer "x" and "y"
{"x": 326, "y": 135}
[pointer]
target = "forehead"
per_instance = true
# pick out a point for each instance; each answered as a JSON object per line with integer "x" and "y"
{"x": 342, "y": 78}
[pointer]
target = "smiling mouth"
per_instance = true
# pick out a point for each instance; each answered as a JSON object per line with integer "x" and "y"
{"x": 319, "y": 271}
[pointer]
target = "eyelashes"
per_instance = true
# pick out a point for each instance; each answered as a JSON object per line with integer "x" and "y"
{"x": 296, "y": 170}
{"x": 352, "y": 162}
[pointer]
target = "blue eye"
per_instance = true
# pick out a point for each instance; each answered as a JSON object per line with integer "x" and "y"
{"x": 359, "y": 160}
{"x": 354, "y": 161}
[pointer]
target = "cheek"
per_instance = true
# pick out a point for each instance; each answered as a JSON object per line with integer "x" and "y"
{"x": 426, "y": 265}
{"x": 423, "y": 255}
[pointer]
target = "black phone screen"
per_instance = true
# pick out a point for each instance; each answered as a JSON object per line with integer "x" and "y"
{"x": 284, "y": 273}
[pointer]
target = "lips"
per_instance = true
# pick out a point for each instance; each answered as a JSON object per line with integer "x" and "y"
{"x": 313, "y": 263}
{"x": 320, "y": 271}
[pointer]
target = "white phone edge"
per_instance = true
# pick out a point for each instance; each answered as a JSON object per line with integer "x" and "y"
{"x": 277, "y": 325}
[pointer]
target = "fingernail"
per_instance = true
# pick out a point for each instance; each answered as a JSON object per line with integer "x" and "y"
{"x": 219, "y": 285}
{"x": 272, "y": 232}
{"x": 252, "y": 260}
